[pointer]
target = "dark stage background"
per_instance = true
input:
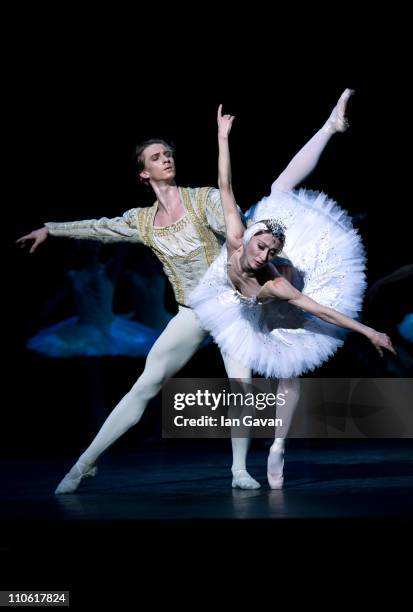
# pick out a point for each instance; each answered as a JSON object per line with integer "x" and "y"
{"x": 81, "y": 94}
{"x": 81, "y": 112}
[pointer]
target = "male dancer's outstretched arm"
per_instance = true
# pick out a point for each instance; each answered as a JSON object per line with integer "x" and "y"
{"x": 104, "y": 229}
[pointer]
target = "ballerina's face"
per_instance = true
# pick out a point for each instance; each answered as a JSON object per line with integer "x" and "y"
{"x": 261, "y": 249}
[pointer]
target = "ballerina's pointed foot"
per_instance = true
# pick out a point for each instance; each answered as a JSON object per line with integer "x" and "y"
{"x": 337, "y": 122}
{"x": 275, "y": 465}
{"x": 242, "y": 480}
{"x": 72, "y": 480}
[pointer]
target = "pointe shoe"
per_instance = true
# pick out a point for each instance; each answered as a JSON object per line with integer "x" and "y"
{"x": 275, "y": 466}
{"x": 242, "y": 480}
{"x": 72, "y": 480}
{"x": 337, "y": 121}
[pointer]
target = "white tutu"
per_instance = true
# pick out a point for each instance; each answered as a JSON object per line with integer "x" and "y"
{"x": 274, "y": 338}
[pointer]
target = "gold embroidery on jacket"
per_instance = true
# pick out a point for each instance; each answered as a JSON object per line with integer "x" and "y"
{"x": 209, "y": 243}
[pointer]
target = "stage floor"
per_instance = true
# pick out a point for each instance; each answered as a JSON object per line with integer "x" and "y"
{"x": 168, "y": 513}
{"x": 358, "y": 478}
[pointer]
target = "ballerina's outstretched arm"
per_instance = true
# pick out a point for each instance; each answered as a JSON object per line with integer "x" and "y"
{"x": 307, "y": 158}
{"x": 234, "y": 227}
{"x": 282, "y": 289}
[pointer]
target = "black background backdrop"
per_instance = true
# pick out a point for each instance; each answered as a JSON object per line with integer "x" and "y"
{"x": 81, "y": 89}
{"x": 82, "y": 98}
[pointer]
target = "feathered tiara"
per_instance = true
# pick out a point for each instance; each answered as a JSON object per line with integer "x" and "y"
{"x": 276, "y": 227}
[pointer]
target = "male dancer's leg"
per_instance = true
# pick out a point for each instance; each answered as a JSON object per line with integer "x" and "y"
{"x": 174, "y": 347}
{"x": 241, "y": 478}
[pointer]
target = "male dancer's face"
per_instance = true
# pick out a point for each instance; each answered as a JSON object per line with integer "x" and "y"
{"x": 159, "y": 164}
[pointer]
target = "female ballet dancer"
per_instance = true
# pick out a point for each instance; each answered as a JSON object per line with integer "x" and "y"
{"x": 278, "y": 328}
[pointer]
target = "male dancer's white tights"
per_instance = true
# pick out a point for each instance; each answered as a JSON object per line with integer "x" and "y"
{"x": 174, "y": 347}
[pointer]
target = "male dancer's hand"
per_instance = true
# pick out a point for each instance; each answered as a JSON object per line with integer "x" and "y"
{"x": 38, "y": 236}
{"x": 224, "y": 123}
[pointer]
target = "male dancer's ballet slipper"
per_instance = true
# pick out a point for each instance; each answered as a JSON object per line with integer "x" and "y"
{"x": 72, "y": 480}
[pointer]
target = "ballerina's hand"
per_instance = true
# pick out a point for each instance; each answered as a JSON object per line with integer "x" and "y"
{"x": 224, "y": 123}
{"x": 380, "y": 341}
